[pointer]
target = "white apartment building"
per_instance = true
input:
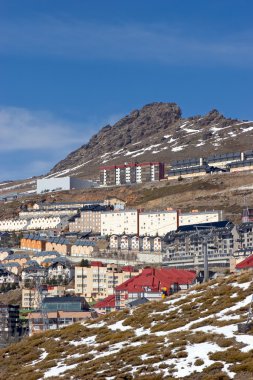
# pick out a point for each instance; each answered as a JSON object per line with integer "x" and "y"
{"x": 197, "y": 217}
{"x": 157, "y": 223}
{"x": 119, "y": 222}
{"x": 152, "y": 223}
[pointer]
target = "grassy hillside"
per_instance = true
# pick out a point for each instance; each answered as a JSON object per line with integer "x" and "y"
{"x": 191, "y": 336}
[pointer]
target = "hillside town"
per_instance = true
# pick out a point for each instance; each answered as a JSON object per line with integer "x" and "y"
{"x": 72, "y": 261}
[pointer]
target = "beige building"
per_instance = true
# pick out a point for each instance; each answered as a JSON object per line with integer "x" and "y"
{"x": 59, "y": 244}
{"x": 89, "y": 219}
{"x": 31, "y": 299}
{"x": 119, "y": 222}
{"x": 99, "y": 280}
{"x": 83, "y": 248}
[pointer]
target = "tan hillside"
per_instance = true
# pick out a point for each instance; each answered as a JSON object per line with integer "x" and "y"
{"x": 229, "y": 191}
{"x": 192, "y": 336}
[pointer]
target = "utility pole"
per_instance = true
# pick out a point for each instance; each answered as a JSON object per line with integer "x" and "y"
{"x": 206, "y": 271}
{"x": 205, "y": 238}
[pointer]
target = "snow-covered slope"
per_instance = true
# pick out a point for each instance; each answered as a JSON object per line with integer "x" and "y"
{"x": 190, "y": 336}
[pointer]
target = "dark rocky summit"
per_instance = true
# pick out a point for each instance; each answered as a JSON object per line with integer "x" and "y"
{"x": 157, "y": 132}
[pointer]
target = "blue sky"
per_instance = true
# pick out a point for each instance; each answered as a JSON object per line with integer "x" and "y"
{"x": 67, "y": 68}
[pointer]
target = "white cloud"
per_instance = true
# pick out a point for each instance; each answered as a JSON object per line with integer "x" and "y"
{"x": 81, "y": 40}
{"x": 22, "y": 129}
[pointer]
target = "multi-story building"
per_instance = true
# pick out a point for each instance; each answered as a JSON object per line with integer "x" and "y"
{"x": 83, "y": 248}
{"x": 225, "y": 162}
{"x": 7, "y": 277}
{"x": 60, "y": 312}
{"x": 119, "y": 222}
{"x": 197, "y": 217}
{"x": 99, "y": 280}
{"x": 136, "y": 243}
{"x": 243, "y": 243}
{"x": 185, "y": 246}
{"x": 147, "y": 286}
{"x": 9, "y": 322}
{"x": 157, "y": 223}
{"x": 152, "y": 223}
{"x": 131, "y": 173}
{"x": 89, "y": 219}
{"x": 31, "y": 297}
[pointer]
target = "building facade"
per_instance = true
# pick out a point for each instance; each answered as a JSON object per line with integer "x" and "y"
{"x": 99, "y": 280}
{"x": 131, "y": 173}
{"x": 198, "y": 217}
{"x": 61, "y": 183}
{"x": 157, "y": 223}
{"x": 89, "y": 219}
{"x": 184, "y": 247}
{"x": 119, "y": 222}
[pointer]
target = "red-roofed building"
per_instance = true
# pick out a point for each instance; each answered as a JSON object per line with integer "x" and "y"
{"x": 245, "y": 264}
{"x": 149, "y": 284}
{"x": 105, "y": 306}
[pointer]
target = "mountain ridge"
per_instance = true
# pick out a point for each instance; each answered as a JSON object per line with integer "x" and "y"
{"x": 157, "y": 132}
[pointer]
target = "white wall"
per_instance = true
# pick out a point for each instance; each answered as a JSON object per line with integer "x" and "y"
{"x": 117, "y": 223}
{"x": 53, "y": 183}
{"x": 62, "y": 183}
{"x": 200, "y": 217}
{"x": 157, "y": 223}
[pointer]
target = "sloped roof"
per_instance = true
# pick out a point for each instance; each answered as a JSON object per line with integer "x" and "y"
{"x": 154, "y": 279}
{"x": 16, "y": 256}
{"x": 246, "y": 263}
{"x": 84, "y": 243}
{"x": 107, "y": 302}
{"x": 138, "y": 301}
{"x": 46, "y": 253}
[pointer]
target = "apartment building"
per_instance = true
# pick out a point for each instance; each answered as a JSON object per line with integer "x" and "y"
{"x": 60, "y": 312}
{"x": 131, "y": 173}
{"x": 226, "y": 162}
{"x": 184, "y": 247}
{"x": 89, "y": 219}
{"x": 9, "y": 322}
{"x": 136, "y": 243}
{"x": 157, "y": 223}
{"x": 119, "y": 222}
{"x": 99, "y": 280}
{"x": 243, "y": 243}
{"x": 31, "y": 298}
{"x": 198, "y": 217}
{"x": 150, "y": 283}
{"x": 152, "y": 223}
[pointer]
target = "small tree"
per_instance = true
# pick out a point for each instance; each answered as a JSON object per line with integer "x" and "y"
{"x": 84, "y": 263}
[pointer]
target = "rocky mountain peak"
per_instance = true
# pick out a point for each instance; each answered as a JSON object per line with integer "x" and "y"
{"x": 157, "y": 132}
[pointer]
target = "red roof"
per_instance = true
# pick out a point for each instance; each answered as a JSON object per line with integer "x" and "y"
{"x": 96, "y": 264}
{"x": 155, "y": 279}
{"x": 246, "y": 263}
{"x": 128, "y": 268}
{"x": 107, "y": 302}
